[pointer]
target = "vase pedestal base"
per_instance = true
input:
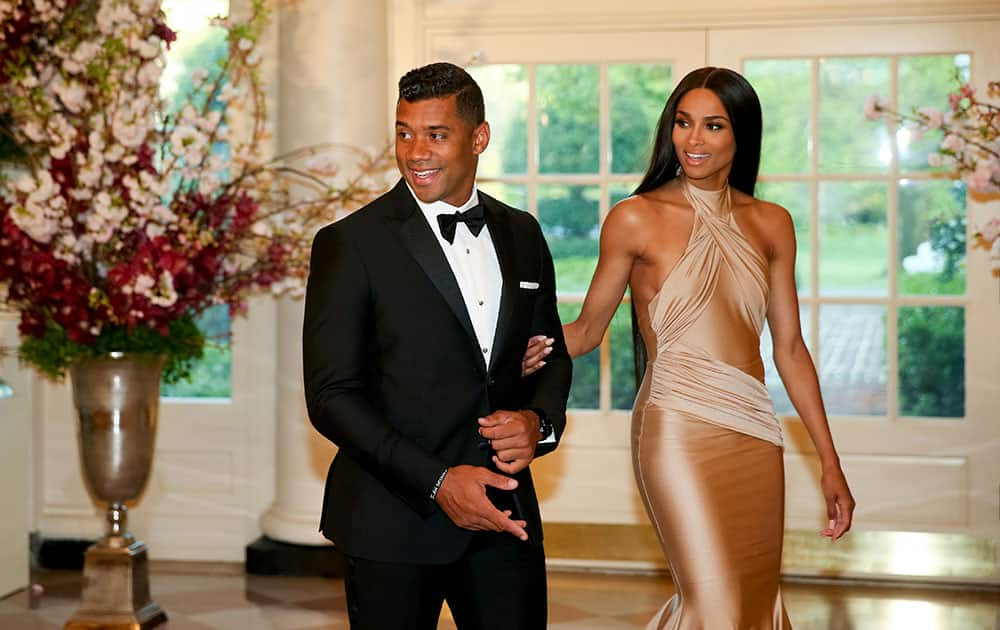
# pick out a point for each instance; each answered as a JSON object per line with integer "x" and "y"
{"x": 116, "y": 591}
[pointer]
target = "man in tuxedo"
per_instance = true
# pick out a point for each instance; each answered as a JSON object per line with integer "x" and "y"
{"x": 418, "y": 310}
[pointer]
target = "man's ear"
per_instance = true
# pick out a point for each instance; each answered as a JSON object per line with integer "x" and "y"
{"x": 481, "y": 137}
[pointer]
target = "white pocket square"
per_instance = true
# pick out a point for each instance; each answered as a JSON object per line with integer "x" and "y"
{"x": 528, "y": 285}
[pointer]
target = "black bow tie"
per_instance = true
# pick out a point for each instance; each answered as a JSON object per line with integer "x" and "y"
{"x": 473, "y": 218}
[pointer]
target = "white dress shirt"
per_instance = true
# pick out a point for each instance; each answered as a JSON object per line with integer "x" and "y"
{"x": 474, "y": 262}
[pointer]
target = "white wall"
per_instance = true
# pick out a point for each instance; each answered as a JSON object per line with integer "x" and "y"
{"x": 15, "y": 457}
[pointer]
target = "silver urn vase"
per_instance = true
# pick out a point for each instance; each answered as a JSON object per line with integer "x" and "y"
{"x": 117, "y": 400}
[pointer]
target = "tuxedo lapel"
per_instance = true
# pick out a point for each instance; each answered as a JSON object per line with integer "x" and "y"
{"x": 503, "y": 243}
{"x": 419, "y": 240}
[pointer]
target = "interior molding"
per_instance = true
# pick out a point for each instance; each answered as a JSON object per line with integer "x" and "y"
{"x": 511, "y": 17}
{"x": 875, "y": 556}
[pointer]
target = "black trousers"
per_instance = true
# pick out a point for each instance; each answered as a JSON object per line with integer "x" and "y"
{"x": 497, "y": 584}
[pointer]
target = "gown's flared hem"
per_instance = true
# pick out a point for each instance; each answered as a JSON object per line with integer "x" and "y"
{"x": 716, "y": 499}
{"x": 671, "y": 617}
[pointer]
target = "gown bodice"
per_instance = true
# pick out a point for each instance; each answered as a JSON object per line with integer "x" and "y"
{"x": 707, "y": 318}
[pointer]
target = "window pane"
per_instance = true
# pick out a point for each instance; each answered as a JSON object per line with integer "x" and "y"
{"x": 925, "y": 81}
{"x": 848, "y": 143}
{"x": 623, "y": 384}
{"x": 854, "y": 239}
{"x": 568, "y": 107}
{"x": 200, "y": 45}
{"x": 211, "y": 375}
{"x": 505, "y": 90}
{"x": 852, "y": 359}
{"x": 637, "y": 94}
{"x": 570, "y": 221}
{"x": 782, "y": 404}
{"x": 931, "y": 237}
{"x": 932, "y": 361}
{"x": 511, "y": 194}
{"x": 585, "y": 393}
{"x": 794, "y": 197}
{"x": 784, "y": 88}
{"x": 618, "y": 191}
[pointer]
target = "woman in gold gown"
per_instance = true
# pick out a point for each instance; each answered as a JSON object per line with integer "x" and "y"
{"x": 707, "y": 264}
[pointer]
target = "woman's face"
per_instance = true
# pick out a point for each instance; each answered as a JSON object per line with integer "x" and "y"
{"x": 703, "y": 139}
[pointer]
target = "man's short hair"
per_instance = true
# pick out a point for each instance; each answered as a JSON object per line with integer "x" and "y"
{"x": 441, "y": 80}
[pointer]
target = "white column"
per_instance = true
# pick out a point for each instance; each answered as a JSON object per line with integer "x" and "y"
{"x": 332, "y": 88}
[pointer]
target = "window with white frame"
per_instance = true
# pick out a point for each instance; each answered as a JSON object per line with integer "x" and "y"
{"x": 881, "y": 233}
{"x": 569, "y": 141}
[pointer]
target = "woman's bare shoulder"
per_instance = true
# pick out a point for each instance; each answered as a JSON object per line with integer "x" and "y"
{"x": 650, "y": 205}
{"x": 765, "y": 214}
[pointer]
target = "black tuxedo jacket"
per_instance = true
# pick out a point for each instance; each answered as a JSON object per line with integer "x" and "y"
{"x": 395, "y": 377}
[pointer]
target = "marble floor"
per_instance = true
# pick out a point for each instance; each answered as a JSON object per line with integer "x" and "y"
{"x": 203, "y": 597}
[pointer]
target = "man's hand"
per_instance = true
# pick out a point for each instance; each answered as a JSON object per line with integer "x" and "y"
{"x": 514, "y": 436}
{"x": 462, "y": 497}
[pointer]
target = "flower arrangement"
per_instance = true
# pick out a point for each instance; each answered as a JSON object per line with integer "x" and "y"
{"x": 124, "y": 220}
{"x": 970, "y": 145}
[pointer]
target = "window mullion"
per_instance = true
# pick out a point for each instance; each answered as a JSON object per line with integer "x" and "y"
{"x": 532, "y": 143}
{"x": 892, "y": 222}
{"x": 604, "y": 169}
{"x": 814, "y": 218}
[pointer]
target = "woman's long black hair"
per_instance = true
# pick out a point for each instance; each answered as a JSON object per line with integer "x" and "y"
{"x": 743, "y": 108}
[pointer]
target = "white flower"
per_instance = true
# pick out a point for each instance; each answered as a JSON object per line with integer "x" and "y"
{"x": 62, "y": 134}
{"x": 70, "y": 66}
{"x": 145, "y": 48}
{"x": 953, "y": 142}
{"x": 216, "y": 163}
{"x": 164, "y": 214}
{"x": 40, "y": 214}
{"x": 149, "y": 74}
{"x": 85, "y": 52}
{"x": 188, "y": 142}
{"x": 934, "y": 159}
{"x": 322, "y": 164}
{"x": 143, "y": 284}
{"x": 34, "y": 131}
{"x": 198, "y": 75}
{"x": 72, "y": 94}
{"x": 208, "y": 184}
{"x": 228, "y": 92}
{"x": 262, "y": 228}
{"x": 113, "y": 154}
{"x": 245, "y": 44}
{"x": 165, "y": 295}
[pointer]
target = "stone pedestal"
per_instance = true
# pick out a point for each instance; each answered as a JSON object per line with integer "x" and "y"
{"x": 116, "y": 591}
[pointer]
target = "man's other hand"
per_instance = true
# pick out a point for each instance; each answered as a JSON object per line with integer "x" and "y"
{"x": 462, "y": 496}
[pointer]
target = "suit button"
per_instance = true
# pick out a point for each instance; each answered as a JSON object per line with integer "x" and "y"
{"x": 491, "y": 381}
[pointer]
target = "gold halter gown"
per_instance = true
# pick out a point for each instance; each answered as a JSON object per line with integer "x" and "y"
{"x": 706, "y": 443}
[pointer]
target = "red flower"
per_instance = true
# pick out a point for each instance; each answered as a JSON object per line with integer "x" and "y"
{"x": 32, "y": 324}
{"x": 164, "y": 32}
